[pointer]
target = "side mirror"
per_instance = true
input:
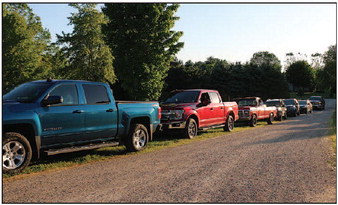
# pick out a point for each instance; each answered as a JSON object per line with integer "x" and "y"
{"x": 52, "y": 100}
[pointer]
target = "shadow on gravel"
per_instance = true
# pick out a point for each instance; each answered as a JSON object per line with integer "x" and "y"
{"x": 301, "y": 132}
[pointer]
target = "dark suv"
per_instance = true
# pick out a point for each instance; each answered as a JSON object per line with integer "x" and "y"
{"x": 293, "y": 107}
{"x": 281, "y": 108}
{"x": 318, "y": 102}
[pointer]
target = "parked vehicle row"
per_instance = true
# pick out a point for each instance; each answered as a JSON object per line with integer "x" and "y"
{"x": 59, "y": 116}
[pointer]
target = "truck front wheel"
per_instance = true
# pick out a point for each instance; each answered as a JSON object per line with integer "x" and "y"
{"x": 253, "y": 121}
{"x": 16, "y": 153}
{"x": 137, "y": 138}
{"x": 190, "y": 130}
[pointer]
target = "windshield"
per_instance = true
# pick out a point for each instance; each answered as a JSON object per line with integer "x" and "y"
{"x": 27, "y": 92}
{"x": 315, "y": 98}
{"x": 183, "y": 97}
{"x": 302, "y": 102}
{"x": 247, "y": 102}
{"x": 289, "y": 102}
{"x": 273, "y": 103}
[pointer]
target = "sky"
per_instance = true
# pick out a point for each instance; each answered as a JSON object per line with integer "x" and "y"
{"x": 233, "y": 32}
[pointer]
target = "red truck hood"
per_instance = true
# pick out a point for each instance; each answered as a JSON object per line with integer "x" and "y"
{"x": 174, "y": 106}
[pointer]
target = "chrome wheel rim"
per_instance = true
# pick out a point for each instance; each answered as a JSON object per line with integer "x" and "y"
{"x": 192, "y": 129}
{"x": 140, "y": 139}
{"x": 13, "y": 155}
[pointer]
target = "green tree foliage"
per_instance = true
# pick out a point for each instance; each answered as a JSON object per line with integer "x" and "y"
{"x": 300, "y": 74}
{"x": 264, "y": 58}
{"x": 328, "y": 75}
{"x": 88, "y": 56}
{"x": 24, "y": 45}
{"x": 143, "y": 45}
{"x": 231, "y": 80}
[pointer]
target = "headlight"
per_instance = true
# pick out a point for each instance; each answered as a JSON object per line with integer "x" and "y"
{"x": 176, "y": 114}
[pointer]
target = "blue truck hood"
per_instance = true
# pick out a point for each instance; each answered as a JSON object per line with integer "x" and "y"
{"x": 15, "y": 107}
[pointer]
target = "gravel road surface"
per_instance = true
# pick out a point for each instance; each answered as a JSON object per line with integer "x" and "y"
{"x": 282, "y": 163}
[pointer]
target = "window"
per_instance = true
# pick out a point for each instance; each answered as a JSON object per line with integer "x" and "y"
{"x": 95, "y": 94}
{"x": 204, "y": 97}
{"x": 215, "y": 98}
{"x": 68, "y": 93}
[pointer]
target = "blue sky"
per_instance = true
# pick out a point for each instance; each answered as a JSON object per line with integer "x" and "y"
{"x": 234, "y": 31}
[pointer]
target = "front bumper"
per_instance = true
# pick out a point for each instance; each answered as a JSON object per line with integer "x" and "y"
{"x": 173, "y": 124}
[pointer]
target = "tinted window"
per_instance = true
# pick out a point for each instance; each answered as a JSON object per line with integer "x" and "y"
{"x": 183, "y": 97}
{"x": 302, "y": 102}
{"x": 67, "y": 92}
{"x": 273, "y": 103}
{"x": 247, "y": 102}
{"x": 27, "y": 92}
{"x": 214, "y": 98}
{"x": 204, "y": 97}
{"x": 315, "y": 98}
{"x": 289, "y": 102}
{"x": 95, "y": 94}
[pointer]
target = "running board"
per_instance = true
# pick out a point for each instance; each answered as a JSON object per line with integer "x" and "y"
{"x": 213, "y": 127}
{"x": 80, "y": 148}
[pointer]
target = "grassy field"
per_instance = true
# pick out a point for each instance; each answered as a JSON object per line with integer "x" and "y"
{"x": 77, "y": 158}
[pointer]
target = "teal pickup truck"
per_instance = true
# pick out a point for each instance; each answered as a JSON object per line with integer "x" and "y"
{"x": 59, "y": 116}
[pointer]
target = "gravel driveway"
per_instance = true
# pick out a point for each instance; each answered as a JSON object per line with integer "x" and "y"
{"x": 282, "y": 163}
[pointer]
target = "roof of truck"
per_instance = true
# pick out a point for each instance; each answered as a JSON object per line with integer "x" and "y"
{"x": 194, "y": 90}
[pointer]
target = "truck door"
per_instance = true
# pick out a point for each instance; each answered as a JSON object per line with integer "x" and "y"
{"x": 205, "y": 112}
{"x": 218, "y": 106}
{"x": 60, "y": 123}
{"x": 100, "y": 112}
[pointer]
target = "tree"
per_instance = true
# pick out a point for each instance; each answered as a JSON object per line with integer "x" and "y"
{"x": 300, "y": 74}
{"x": 264, "y": 58}
{"x": 329, "y": 78}
{"x": 88, "y": 55}
{"x": 24, "y": 44}
{"x": 143, "y": 45}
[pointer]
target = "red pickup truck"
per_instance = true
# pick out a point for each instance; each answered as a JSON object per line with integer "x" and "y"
{"x": 252, "y": 109}
{"x": 196, "y": 109}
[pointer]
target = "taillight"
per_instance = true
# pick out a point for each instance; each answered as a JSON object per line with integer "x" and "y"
{"x": 159, "y": 112}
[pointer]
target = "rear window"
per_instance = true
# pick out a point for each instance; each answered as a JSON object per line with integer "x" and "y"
{"x": 95, "y": 94}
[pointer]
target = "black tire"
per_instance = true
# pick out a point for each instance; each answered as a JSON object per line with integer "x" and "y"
{"x": 280, "y": 118}
{"x": 270, "y": 119}
{"x": 16, "y": 153}
{"x": 230, "y": 124}
{"x": 137, "y": 138}
{"x": 190, "y": 130}
{"x": 298, "y": 113}
{"x": 295, "y": 114}
{"x": 253, "y": 121}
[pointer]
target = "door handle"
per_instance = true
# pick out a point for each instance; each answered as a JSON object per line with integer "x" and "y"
{"x": 78, "y": 111}
{"x": 110, "y": 110}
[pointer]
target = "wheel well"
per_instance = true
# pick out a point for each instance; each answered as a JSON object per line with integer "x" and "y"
{"x": 27, "y": 131}
{"x": 146, "y": 122}
{"x": 232, "y": 114}
{"x": 195, "y": 118}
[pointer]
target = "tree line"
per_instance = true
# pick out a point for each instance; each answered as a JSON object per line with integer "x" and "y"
{"x": 132, "y": 47}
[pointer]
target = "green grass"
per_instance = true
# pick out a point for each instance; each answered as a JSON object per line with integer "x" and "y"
{"x": 307, "y": 95}
{"x": 77, "y": 158}
{"x": 333, "y": 138}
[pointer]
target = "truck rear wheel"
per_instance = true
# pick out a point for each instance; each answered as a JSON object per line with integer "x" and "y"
{"x": 230, "y": 124}
{"x": 16, "y": 153}
{"x": 137, "y": 138}
{"x": 190, "y": 130}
